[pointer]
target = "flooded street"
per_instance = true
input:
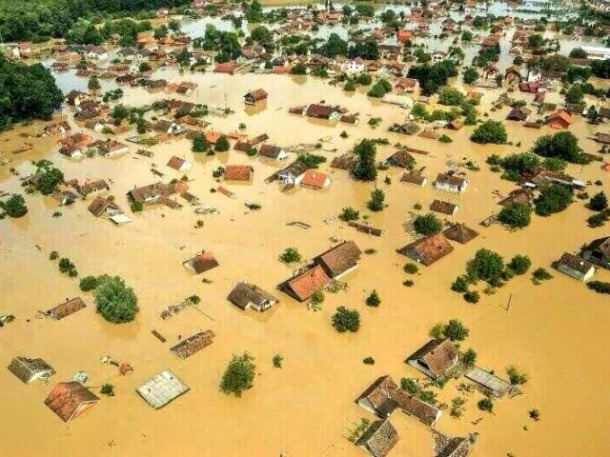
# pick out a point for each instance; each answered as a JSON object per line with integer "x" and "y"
{"x": 308, "y": 407}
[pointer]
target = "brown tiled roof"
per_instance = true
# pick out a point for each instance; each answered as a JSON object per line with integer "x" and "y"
{"x": 202, "y": 262}
{"x": 100, "y": 204}
{"x": 238, "y": 173}
{"x": 401, "y": 158}
{"x": 243, "y": 294}
{"x": 380, "y": 438}
{"x": 575, "y": 262}
{"x": 193, "y": 344}
{"x": 443, "y": 207}
{"x": 314, "y": 179}
{"x": 69, "y": 399}
{"x": 320, "y": 111}
{"x": 28, "y": 369}
{"x": 460, "y": 233}
{"x": 451, "y": 180}
{"x": 455, "y": 447}
{"x": 256, "y": 95}
{"x": 306, "y": 284}
{"x": 517, "y": 196}
{"x": 65, "y": 309}
{"x": 269, "y": 150}
{"x": 602, "y": 245}
{"x": 340, "y": 258}
{"x": 176, "y": 162}
{"x": 344, "y": 162}
{"x": 413, "y": 177}
{"x": 428, "y": 250}
{"x": 439, "y": 355}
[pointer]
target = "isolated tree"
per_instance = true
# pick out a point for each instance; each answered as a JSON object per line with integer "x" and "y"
{"x": 115, "y": 301}
{"x": 200, "y": 144}
{"x": 489, "y": 132}
{"x": 515, "y": 376}
{"x": 373, "y": 300}
{"x": 427, "y": 224}
{"x": 562, "y": 145}
{"x": 93, "y": 84}
{"x": 47, "y": 179}
{"x": 222, "y": 144}
{"x": 376, "y": 201}
{"x": 486, "y": 404}
{"x": 290, "y": 255}
{"x": 553, "y": 199}
{"x": 575, "y": 94}
{"x": 365, "y": 169}
{"x": 15, "y": 206}
{"x": 346, "y": 320}
{"x": 516, "y": 215}
{"x": 88, "y": 283}
{"x": 598, "y": 202}
{"x": 239, "y": 375}
{"x": 455, "y": 330}
{"x": 349, "y": 214}
{"x": 520, "y": 264}
{"x": 486, "y": 265}
{"x": 451, "y": 97}
{"x": 469, "y": 357}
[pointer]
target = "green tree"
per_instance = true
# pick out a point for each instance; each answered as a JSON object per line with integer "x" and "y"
{"x": 239, "y": 375}
{"x": 107, "y": 389}
{"x": 376, "y": 203}
{"x": 516, "y": 215}
{"x": 515, "y": 376}
{"x": 114, "y": 300}
{"x": 345, "y": 320}
{"x": 349, "y": 214}
{"x": 47, "y": 179}
{"x": 489, "y": 132}
{"x": 93, "y": 85}
{"x": 15, "y": 206}
{"x": 290, "y": 255}
{"x": 469, "y": 357}
{"x": 470, "y": 75}
{"x": 575, "y": 94}
{"x": 520, "y": 264}
{"x": 262, "y": 35}
{"x": 200, "y": 144}
{"x": 598, "y": 202}
{"x": 299, "y": 69}
{"x": 427, "y": 224}
{"x": 535, "y": 41}
{"x": 553, "y": 199}
{"x": 486, "y": 404}
{"x": 334, "y": 46}
{"x": 144, "y": 67}
{"x": 373, "y": 299}
{"x": 365, "y": 169}
{"x": 222, "y": 144}
{"x": 486, "y": 265}
{"x": 380, "y": 88}
{"x": 455, "y": 330}
{"x": 277, "y": 361}
{"x": 562, "y": 145}
{"x": 88, "y": 283}
{"x": 451, "y": 97}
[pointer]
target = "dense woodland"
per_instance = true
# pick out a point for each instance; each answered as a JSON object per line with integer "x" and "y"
{"x": 38, "y": 20}
{"x": 26, "y": 93}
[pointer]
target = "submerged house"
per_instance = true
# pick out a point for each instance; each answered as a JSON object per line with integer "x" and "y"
{"x": 322, "y": 112}
{"x": 384, "y": 396}
{"x": 575, "y": 266}
{"x": 66, "y": 308}
{"x": 490, "y": 384}
{"x": 450, "y": 183}
{"x": 427, "y": 250}
{"x": 339, "y": 260}
{"x": 202, "y": 262}
{"x": 436, "y": 358}
{"x": 444, "y": 207}
{"x": 272, "y": 152}
{"x": 460, "y": 233}
{"x": 292, "y": 174}
{"x": 246, "y": 296}
{"x": 401, "y": 158}
{"x": 598, "y": 252}
{"x": 238, "y": 173}
{"x": 193, "y": 344}
{"x": 255, "y": 96}
{"x": 315, "y": 180}
{"x": 453, "y": 447}
{"x": 179, "y": 164}
{"x": 30, "y": 370}
{"x": 302, "y": 286}
{"x": 161, "y": 389}
{"x": 379, "y": 438}
{"x": 70, "y": 399}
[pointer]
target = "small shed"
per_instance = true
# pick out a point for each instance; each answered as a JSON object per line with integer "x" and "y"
{"x": 161, "y": 389}
{"x": 66, "y": 308}
{"x": 193, "y": 344}
{"x": 490, "y": 383}
{"x": 30, "y": 370}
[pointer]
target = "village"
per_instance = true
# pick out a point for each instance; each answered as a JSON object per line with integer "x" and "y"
{"x": 375, "y": 230}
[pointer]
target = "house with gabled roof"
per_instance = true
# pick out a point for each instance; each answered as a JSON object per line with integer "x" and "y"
{"x": 427, "y": 250}
{"x": 193, "y": 344}
{"x": 379, "y": 438}
{"x": 271, "y": 151}
{"x": 450, "y": 182}
{"x": 70, "y": 399}
{"x": 179, "y": 164}
{"x": 245, "y": 295}
{"x": 575, "y": 267}
{"x": 401, "y": 159}
{"x": 30, "y": 370}
{"x": 436, "y": 358}
{"x": 255, "y": 96}
{"x": 460, "y": 233}
{"x": 315, "y": 180}
{"x": 443, "y": 207}
{"x": 162, "y": 389}
{"x": 66, "y": 308}
{"x": 202, "y": 262}
{"x": 340, "y": 259}
{"x": 303, "y": 285}
{"x": 598, "y": 252}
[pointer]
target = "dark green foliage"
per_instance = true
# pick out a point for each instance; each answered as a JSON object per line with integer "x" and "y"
{"x": 469, "y": 357}
{"x": 15, "y": 206}
{"x": 515, "y": 376}
{"x": 222, "y": 144}
{"x": 412, "y": 387}
{"x": 470, "y": 75}
{"x": 562, "y": 145}
{"x": 200, "y": 144}
{"x": 136, "y": 207}
{"x": 365, "y": 169}
{"x": 369, "y": 361}
{"x": 290, "y": 255}
{"x": 516, "y": 215}
{"x": 486, "y": 404}
{"x": 262, "y": 35}
{"x": 67, "y": 267}
{"x": 349, "y": 214}
{"x": 299, "y": 69}
{"x": 445, "y": 139}
{"x": 431, "y": 77}
{"x": 367, "y": 50}
{"x": 534, "y": 414}
{"x": 376, "y": 201}
{"x": 311, "y": 160}
{"x": 380, "y": 88}
{"x": 575, "y": 94}
{"x": 411, "y": 268}
{"x": 540, "y": 274}
{"x": 107, "y": 389}
{"x": 277, "y": 361}
{"x": 239, "y": 375}
{"x": 486, "y": 265}
{"x": 373, "y": 300}
{"x": 345, "y": 320}
{"x": 460, "y": 284}
{"x": 489, "y": 132}
{"x": 47, "y": 178}
{"x": 520, "y": 264}
{"x": 26, "y": 92}
{"x": 553, "y": 199}
{"x": 88, "y": 283}
{"x": 472, "y": 296}
{"x": 427, "y": 224}
{"x": 455, "y": 330}
{"x": 598, "y": 202}
{"x": 334, "y": 46}
{"x": 599, "y": 219}
{"x": 114, "y": 300}
{"x": 599, "y": 287}
{"x": 601, "y": 68}
{"x": 451, "y": 97}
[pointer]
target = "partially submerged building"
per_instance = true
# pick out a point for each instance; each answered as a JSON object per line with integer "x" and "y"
{"x": 30, "y": 370}
{"x": 575, "y": 266}
{"x": 450, "y": 183}
{"x": 302, "y": 286}
{"x": 66, "y": 308}
{"x": 339, "y": 260}
{"x": 460, "y": 233}
{"x": 490, "y": 384}
{"x": 598, "y": 252}
{"x": 70, "y": 399}
{"x": 202, "y": 262}
{"x": 436, "y": 358}
{"x": 246, "y": 296}
{"x": 379, "y": 438}
{"x": 193, "y": 344}
{"x": 162, "y": 389}
{"x": 427, "y": 250}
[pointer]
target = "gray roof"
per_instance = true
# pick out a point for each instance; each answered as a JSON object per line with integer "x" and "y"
{"x": 29, "y": 370}
{"x": 161, "y": 389}
{"x": 244, "y": 293}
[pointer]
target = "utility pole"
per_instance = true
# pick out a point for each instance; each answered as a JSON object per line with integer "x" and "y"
{"x": 510, "y": 300}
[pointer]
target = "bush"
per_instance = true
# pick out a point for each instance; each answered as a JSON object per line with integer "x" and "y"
{"x": 200, "y": 144}
{"x": 469, "y": 357}
{"x": 408, "y": 283}
{"x": 451, "y": 97}
{"x": 427, "y": 224}
{"x": 486, "y": 404}
{"x": 411, "y": 268}
{"x": 15, "y": 206}
{"x": 107, "y": 389}
{"x": 455, "y": 330}
{"x": 349, "y": 214}
{"x": 553, "y": 199}
{"x": 516, "y": 215}
{"x": 373, "y": 300}
{"x": 445, "y": 139}
{"x": 541, "y": 274}
{"x": 137, "y": 207}
{"x": 376, "y": 201}
{"x": 317, "y": 298}
{"x": 222, "y": 145}
{"x": 88, "y": 283}
{"x": 534, "y": 414}
{"x": 239, "y": 375}
{"x": 54, "y": 255}
{"x": 114, "y": 300}
{"x": 599, "y": 287}
{"x": 598, "y": 202}
{"x": 472, "y": 296}
{"x": 486, "y": 265}
{"x": 290, "y": 255}
{"x": 520, "y": 264}
{"x": 345, "y": 320}
{"x": 460, "y": 284}
{"x": 489, "y": 132}
{"x": 369, "y": 361}
{"x": 516, "y": 377}
{"x": 277, "y": 361}
{"x": 66, "y": 266}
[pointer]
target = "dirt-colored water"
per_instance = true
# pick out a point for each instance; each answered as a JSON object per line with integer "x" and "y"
{"x": 552, "y": 331}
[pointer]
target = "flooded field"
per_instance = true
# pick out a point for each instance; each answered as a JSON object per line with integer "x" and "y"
{"x": 306, "y": 408}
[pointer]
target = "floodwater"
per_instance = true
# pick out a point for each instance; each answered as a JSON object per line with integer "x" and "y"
{"x": 307, "y": 408}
